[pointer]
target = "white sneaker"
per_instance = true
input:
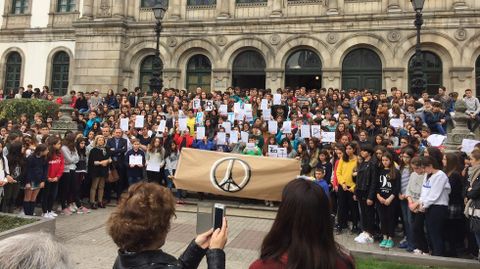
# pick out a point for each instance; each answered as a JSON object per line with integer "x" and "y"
{"x": 72, "y": 208}
{"x": 21, "y": 213}
{"x": 360, "y": 237}
{"x": 47, "y": 216}
{"x": 417, "y": 252}
{"x": 50, "y": 215}
{"x": 368, "y": 239}
{"x": 53, "y": 214}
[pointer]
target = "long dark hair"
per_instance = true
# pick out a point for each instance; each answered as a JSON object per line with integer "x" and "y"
{"x": 81, "y": 152}
{"x": 392, "y": 173}
{"x": 453, "y": 164}
{"x": 437, "y": 157}
{"x": 15, "y": 156}
{"x": 51, "y": 142}
{"x": 303, "y": 229}
{"x": 69, "y": 141}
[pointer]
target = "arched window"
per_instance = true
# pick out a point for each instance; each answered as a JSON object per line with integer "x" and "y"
{"x": 146, "y": 73}
{"x": 362, "y": 68}
{"x": 199, "y": 73}
{"x": 60, "y": 72}
{"x": 13, "y": 71}
{"x": 477, "y": 75}
{"x": 249, "y": 70}
{"x": 303, "y": 69}
{"x": 432, "y": 69}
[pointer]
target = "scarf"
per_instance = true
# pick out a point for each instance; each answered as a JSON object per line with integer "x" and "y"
{"x": 473, "y": 173}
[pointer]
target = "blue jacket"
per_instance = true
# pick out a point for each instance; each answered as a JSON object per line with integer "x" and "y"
{"x": 89, "y": 125}
{"x": 37, "y": 171}
{"x": 323, "y": 183}
{"x": 199, "y": 144}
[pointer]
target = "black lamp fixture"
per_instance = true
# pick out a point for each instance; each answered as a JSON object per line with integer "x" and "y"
{"x": 156, "y": 82}
{"x": 418, "y": 77}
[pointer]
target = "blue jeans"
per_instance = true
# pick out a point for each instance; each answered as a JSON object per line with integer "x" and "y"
{"x": 407, "y": 221}
{"x": 439, "y": 127}
{"x": 133, "y": 180}
{"x": 180, "y": 192}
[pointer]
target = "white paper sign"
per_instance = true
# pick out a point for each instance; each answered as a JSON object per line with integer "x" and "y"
{"x": 153, "y": 166}
{"x": 287, "y": 127}
{"x": 231, "y": 117}
{"x": 282, "y": 153}
{"x": 396, "y": 123}
{"x": 139, "y": 121}
{"x": 267, "y": 114}
{"x": 124, "y": 124}
{"x": 272, "y": 126}
{"x": 228, "y": 126}
{"x": 236, "y": 108}
{"x": 328, "y": 137}
{"x": 199, "y": 118}
{"x": 248, "y": 116}
{"x": 468, "y": 145}
{"x": 196, "y": 104}
{"x": 221, "y": 138}
{"x": 161, "y": 126}
{"x": 208, "y": 105}
{"x": 250, "y": 146}
{"x": 316, "y": 131}
{"x": 223, "y": 110}
{"x": 200, "y": 133}
{"x": 264, "y": 104}
{"x": 135, "y": 160}
{"x": 233, "y": 137}
{"x": 247, "y": 107}
{"x": 244, "y": 136}
{"x": 272, "y": 151}
{"x": 305, "y": 131}
{"x": 436, "y": 140}
{"x": 277, "y": 99}
{"x": 182, "y": 124}
{"x": 240, "y": 115}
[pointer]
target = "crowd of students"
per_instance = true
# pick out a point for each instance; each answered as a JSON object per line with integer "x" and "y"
{"x": 369, "y": 151}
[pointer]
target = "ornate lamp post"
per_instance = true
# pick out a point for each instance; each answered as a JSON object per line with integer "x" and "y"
{"x": 418, "y": 80}
{"x": 156, "y": 82}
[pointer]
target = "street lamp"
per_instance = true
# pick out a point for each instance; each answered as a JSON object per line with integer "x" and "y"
{"x": 418, "y": 80}
{"x": 156, "y": 82}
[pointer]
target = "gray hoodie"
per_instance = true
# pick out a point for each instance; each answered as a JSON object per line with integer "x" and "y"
{"x": 71, "y": 159}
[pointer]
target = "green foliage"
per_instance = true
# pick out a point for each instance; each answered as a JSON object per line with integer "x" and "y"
{"x": 378, "y": 264}
{"x": 8, "y": 223}
{"x": 13, "y": 108}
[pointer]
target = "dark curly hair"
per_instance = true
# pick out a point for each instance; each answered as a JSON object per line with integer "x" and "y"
{"x": 141, "y": 220}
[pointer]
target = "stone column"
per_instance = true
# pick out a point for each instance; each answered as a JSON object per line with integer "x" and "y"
{"x": 87, "y": 9}
{"x": 131, "y": 8}
{"x": 332, "y": 7}
{"x": 460, "y": 132}
{"x": 223, "y": 9}
{"x": 274, "y": 78}
{"x": 277, "y": 8}
{"x": 331, "y": 77}
{"x": 220, "y": 79}
{"x": 393, "y": 6}
{"x": 174, "y": 9}
{"x": 118, "y": 8}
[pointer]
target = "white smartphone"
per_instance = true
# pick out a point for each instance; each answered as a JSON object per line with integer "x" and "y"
{"x": 218, "y": 214}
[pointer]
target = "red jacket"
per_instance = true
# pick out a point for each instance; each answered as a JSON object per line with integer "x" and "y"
{"x": 55, "y": 166}
{"x": 178, "y": 140}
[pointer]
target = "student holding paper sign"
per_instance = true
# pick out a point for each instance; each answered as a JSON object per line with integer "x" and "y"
{"x": 155, "y": 159}
{"x": 135, "y": 161}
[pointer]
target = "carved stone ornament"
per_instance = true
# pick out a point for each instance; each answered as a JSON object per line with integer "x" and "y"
{"x": 126, "y": 42}
{"x": 275, "y": 39}
{"x": 394, "y": 36}
{"x": 461, "y": 34}
{"x": 105, "y": 8}
{"x": 332, "y": 38}
{"x": 221, "y": 41}
{"x": 171, "y": 41}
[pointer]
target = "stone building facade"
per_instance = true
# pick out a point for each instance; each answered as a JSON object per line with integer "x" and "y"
{"x": 88, "y": 44}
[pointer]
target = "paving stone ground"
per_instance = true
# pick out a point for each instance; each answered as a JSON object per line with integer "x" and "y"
{"x": 90, "y": 247}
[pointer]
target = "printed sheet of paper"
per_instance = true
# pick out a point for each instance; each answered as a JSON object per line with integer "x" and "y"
{"x": 316, "y": 131}
{"x": 244, "y": 136}
{"x": 231, "y": 117}
{"x": 396, "y": 123}
{"x": 247, "y": 107}
{"x": 305, "y": 131}
{"x": 223, "y": 110}
{"x": 221, "y": 138}
{"x": 277, "y": 99}
{"x": 182, "y": 124}
{"x": 228, "y": 126}
{"x": 139, "y": 121}
{"x": 436, "y": 140}
{"x": 161, "y": 126}
{"x": 135, "y": 160}
{"x": 282, "y": 153}
{"x": 233, "y": 137}
{"x": 250, "y": 146}
{"x": 272, "y": 126}
{"x": 267, "y": 114}
{"x": 208, "y": 105}
{"x": 287, "y": 127}
{"x": 124, "y": 124}
{"x": 264, "y": 104}
{"x": 328, "y": 137}
{"x": 196, "y": 104}
{"x": 272, "y": 150}
{"x": 199, "y": 118}
{"x": 200, "y": 133}
{"x": 468, "y": 145}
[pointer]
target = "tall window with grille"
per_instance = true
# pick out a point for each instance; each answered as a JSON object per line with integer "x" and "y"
{"x": 146, "y": 73}
{"x": 13, "y": 71}
{"x": 201, "y": 2}
{"x": 60, "y": 73}
{"x": 149, "y": 3}
{"x": 19, "y": 6}
{"x": 66, "y": 5}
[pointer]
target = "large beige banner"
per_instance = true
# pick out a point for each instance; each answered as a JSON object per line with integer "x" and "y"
{"x": 235, "y": 175}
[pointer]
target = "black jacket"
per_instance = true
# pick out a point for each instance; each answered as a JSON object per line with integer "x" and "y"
{"x": 37, "y": 171}
{"x": 97, "y": 154}
{"x": 117, "y": 153}
{"x": 367, "y": 174}
{"x": 157, "y": 259}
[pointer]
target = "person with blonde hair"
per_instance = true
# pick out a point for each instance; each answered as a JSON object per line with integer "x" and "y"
{"x": 139, "y": 227}
{"x": 98, "y": 163}
{"x": 33, "y": 250}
